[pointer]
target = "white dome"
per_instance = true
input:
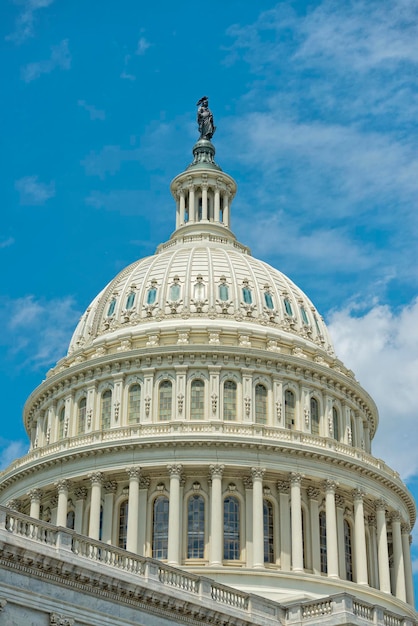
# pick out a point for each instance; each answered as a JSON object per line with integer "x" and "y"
{"x": 202, "y": 280}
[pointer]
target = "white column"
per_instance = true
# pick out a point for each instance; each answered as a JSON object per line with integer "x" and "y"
{"x": 182, "y": 208}
{"x": 226, "y": 209}
{"x": 283, "y": 487}
{"x": 313, "y": 495}
{"x": 340, "y": 504}
{"x": 204, "y": 202}
{"x": 35, "y": 503}
{"x": 80, "y": 497}
{"x": 373, "y": 573}
{"x": 109, "y": 488}
{"x": 192, "y": 212}
{"x": 360, "y": 552}
{"x": 398, "y": 562}
{"x": 95, "y": 502}
{"x": 248, "y": 483}
{"x": 216, "y": 207}
{"x": 216, "y": 515}
{"x": 177, "y": 211}
{"x": 144, "y": 482}
{"x": 258, "y": 518}
{"x": 296, "y": 509}
{"x": 62, "y": 487}
{"x": 331, "y": 520}
{"x": 382, "y": 547}
{"x": 174, "y": 541}
{"x": 405, "y": 530}
{"x": 133, "y": 505}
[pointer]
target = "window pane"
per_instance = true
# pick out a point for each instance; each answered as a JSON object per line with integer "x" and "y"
{"x": 323, "y": 541}
{"x": 230, "y": 400}
{"x": 61, "y": 424}
{"x": 288, "y": 307}
{"x": 130, "y": 300}
{"x": 347, "y": 551}
{"x": 160, "y": 528}
{"x": 111, "y": 308}
{"x": 197, "y": 400}
{"x": 134, "y": 404}
{"x": 151, "y": 295}
{"x": 82, "y": 416}
{"x": 223, "y": 292}
{"x": 195, "y": 527}
{"x": 268, "y": 532}
{"x": 123, "y": 524}
{"x": 246, "y": 295}
{"x": 335, "y": 429}
{"x": 165, "y": 400}
{"x": 106, "y": 409}
{"x": 70, "y": 519}
{"x": 305, "y": 319}
{"x": 260, "y": 404}
{"x": 314, "y": 417}
{"x": 231, "y": 529}
{"x": 269, "y": 300}
{"x": 289, "y": 409}
{"x": 174, "y": 292}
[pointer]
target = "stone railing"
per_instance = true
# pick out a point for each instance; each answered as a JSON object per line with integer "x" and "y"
{"x": 337, "y": 609}
{"x": 208, "y": 428}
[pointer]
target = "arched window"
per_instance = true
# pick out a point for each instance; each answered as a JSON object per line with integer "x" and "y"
{"x": 61, "y": 423}
{"x": 106, "y": 409}
{"x": 70, "y": 520}
{"x": 195, "y": 527}
{"x": 223, "y": 292}
{"x": 165, "y": 400}
{"x": 268, "y": 300}
{"x": 232, "y": 551}
{"x": 268, "y": 531}
{"x": 111, "y": 308}
{"x": 289, "y": 409}
{"x": 247, "y": 295}
{"x": 123, "y": 524}
{"x": 353, "y": 432}
{"x": 335, "y": 425}
{"x": 288, "y": 307}
{"x": 134, "y": 403}
{"x": 348, "y": 557}
{"x": 260, "y": 404}
{"x": 323, "y": 541}
{"x": 304, "y": 315}
{"x": 160, "y": 528}
{"x": 174, "y": 292}
{"x": 82, "y": 415}
{"x": 230, "y": 400}
{"x": 314, "y": 416}
{"x": 318, "y": 330}
{"x": 197, "y": 400}
{"x": 130, "y": 300}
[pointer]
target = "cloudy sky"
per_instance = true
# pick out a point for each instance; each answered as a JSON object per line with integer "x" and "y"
{"x": 316, "y": 106}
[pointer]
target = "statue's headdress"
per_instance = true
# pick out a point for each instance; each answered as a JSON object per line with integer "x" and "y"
{"x": 201, "y": 100}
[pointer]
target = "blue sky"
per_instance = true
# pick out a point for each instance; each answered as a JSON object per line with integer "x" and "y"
{"x": 316, "y": 106}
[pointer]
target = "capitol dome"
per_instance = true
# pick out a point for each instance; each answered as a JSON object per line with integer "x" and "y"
{"x": 202, "y": 420}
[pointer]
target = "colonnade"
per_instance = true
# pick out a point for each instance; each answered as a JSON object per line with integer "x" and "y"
{"x": 296, "y": 523}
{"x": 201, "y": 202}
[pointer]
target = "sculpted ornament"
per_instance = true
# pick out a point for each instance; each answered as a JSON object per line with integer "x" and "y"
{"x": 56, "y": 619}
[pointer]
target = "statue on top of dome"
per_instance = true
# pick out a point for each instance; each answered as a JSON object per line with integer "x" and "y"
{"x": 205, "y": 119}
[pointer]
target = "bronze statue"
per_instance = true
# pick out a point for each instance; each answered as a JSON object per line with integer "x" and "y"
{"x": 205, "y": 119}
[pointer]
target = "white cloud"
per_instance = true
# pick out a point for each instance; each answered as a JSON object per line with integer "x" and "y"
{"x": 95, "y": 114}
{"x": 5, "y": 243}
{"x": 142, "y": 46}
{"x": 381, "y": 347}
{"x": 25, "y": 21}
{"x": 11, "y": 450}
{"x": 60, "y": 58}
{"x": 33, "y": 192}
{"x": 36, "y": 331}
{"x": 108, "y": 160}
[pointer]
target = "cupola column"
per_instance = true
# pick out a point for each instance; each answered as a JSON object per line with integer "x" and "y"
{"x": 96, "y": 479}
{"x": 405, "y": 530}
{"x": 398, "y": 562}
{"x": 216, "y": 515}
{"x": 283, "y": 487}
{"x": 62, "y": 486}
{"x": 182, "y": 208}
{"x": 296, "y": 508}
{"x": 225, "y": 210}
{"x": 331, "y": 520}
{"x": 192, "y": 216}
{"x": 258, "y": 517}
{"x": 204, "y": 201}
{"x": 173, "y": 549}
{"x": 109, "y": 488}
{"x": 35, "y": 503}
{"x": 382, "y": 547}
{"x": 313, "y": 495}
{"x": 360, "y": 539}
{"x": 80, "y": 498}
{"x": 133, "y": 507}
{"x": 217, "y": 205}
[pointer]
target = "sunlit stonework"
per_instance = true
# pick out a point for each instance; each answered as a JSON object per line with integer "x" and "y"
{"x": 201, "y": 453}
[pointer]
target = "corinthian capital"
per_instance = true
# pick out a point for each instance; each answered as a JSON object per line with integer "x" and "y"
{"x": 175, "y": 469}
{"x": 63, "y": 485}
{"x": 330, "y": 486}
{"x": 257, "y": 473}
{"x": 216, "y": 470}
{"x": 96, "y": 478}
{"x": 133, "y": 472}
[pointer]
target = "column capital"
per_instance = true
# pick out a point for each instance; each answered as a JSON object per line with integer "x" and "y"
{"x": 339, "y": 500}
{"x": 283, "y": 486}
{"x": 405, "y": 528}
{"x": 380, "y": 504}
{"x": 96, "y": 478}
{"x": 110, "y": 486}
{"x": 15, "y": 505}
{"x": 216, "y": 470}
{"x": 80, "y": 493}
{"x": 395, "y": 516}
{"x": 175, "y": 469}
{"x": 313, "y": 493}
{"x": 330, "y": 485}
{"x": 133, "y": 472}
{"x": 144, "y": 482}
{"x": 295, "y": 478}
{"x": 35, "y": 494}
{"x": 372, "y": 520}
{"x": 63, "y": 485}
{"x": 248, "y": 482}
{"x": 358, "y": 494}
{"x": 257, "y": 473}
